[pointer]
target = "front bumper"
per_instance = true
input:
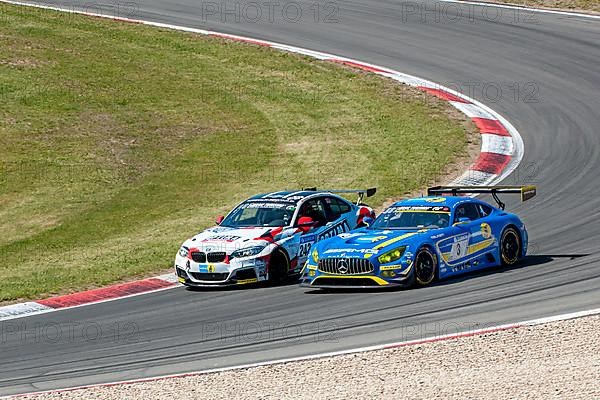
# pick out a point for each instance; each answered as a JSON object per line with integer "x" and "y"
{"x": 240, "y": 272}
{"x": 243, "y": 276}
{"x": 352, "y": 282}
{"x": 315, "y": 278}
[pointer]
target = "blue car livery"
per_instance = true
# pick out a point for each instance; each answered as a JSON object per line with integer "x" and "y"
{"x": 419, "y": 240}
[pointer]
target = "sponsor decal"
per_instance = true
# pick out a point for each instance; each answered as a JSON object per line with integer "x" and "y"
{"x": 222, "y": 238}
{"x": 460, "y": 247}
{"x": 389, "y": 267}
{"x": 400, "y": 209}
{"x": 334, "y": 230}
{"x": 308, "y": 238}
{"x": 436, "y": 200}
{"x": 350, "y": 251}
{"x": 350, "y": 235}
{"x": 270, "y": 204}
{"x": 486, "y": 231}
{"x": 210, "y": 268}
{"x": 461, "y": 267}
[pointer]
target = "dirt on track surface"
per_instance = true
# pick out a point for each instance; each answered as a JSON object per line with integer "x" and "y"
{"x": 559, "y": 360}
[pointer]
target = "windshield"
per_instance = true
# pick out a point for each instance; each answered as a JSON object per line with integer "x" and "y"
{"x": 260, "y": 213}
{"x": 413, "y": 217}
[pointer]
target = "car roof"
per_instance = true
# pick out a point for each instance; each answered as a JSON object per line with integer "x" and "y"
{"x": 291, "y": 196}
{"x": 448, "y": 201}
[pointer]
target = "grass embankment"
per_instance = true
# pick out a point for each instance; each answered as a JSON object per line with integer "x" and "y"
{"x": 569, "y": 5}
{"x": 118, "y": 141}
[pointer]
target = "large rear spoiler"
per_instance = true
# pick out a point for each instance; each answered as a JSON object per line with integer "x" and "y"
{"x": 362, "y": 193}
{"x": 526, "y": 192}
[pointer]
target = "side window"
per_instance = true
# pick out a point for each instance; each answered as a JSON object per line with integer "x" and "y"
{"x": 315, "y": 209}
{"x": 337, "y": 207}
{"x": 467, "y": 210}
{"x": 484, "y": 210}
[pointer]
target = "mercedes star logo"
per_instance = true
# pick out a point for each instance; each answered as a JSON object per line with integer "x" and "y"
{"x": 342, "y": 266}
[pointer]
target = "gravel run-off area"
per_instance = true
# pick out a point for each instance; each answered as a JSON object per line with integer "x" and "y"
{"x": 559, "y": 360}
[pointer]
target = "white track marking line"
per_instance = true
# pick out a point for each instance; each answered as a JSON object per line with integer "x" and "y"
{"x": 523, "y": 8}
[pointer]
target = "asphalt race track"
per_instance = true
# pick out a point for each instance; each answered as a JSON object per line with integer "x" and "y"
{"x": 179, "y": 330}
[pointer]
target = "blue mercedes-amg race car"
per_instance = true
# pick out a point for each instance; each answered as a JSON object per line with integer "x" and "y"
{"x": 419, "y": 240}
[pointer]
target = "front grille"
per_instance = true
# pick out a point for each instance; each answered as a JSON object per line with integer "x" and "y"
{"x": 216, "y": 257}
{"x": 208, "y": 276}
{"x": 245, "y": 274}
{"x": 199, "y": 256}
{"x": 345, "y": 266}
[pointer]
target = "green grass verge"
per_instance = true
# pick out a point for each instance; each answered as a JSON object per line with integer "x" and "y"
{"x": 574, "y": 5}
{"x": 119, "y": 141}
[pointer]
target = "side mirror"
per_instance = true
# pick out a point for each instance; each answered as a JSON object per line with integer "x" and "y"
{"x": 219, "y": 219}
{"x": 305, "y": 224}
{"x": 463, "y": 220}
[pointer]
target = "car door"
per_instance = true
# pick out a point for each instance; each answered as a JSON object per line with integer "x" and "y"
{"x": 315, "y": 209}
{"x": 466, "y": 222}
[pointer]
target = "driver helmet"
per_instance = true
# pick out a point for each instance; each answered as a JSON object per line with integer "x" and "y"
{"x": 364, "y": 211}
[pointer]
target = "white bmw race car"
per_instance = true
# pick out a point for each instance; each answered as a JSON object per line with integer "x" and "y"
{"x": 267, "y": 237}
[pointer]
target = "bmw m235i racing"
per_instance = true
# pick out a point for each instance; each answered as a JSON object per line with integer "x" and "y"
{"x": 417, "y": 241}
{"x": 267, "y": 237}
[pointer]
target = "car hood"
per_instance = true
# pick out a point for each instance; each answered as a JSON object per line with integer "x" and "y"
{"x": 225, "y": 239}
{"x": 362, "y": 242}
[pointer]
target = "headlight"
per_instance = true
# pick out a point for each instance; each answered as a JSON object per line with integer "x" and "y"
{"x": 247, "y": 252}
{"x": 183, "y": 252}
{"x": 391, "y": 256}
{"x": 315, "y": 256}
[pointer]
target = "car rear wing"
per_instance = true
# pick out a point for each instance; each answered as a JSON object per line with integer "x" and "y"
{"x": 526, "y": 192}
{"x": 362, "y": 193}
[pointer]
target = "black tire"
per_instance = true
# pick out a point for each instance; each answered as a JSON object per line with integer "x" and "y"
{"x": 425, "y": 268}
{"x": 510, "y": 247}
{"x": 279, "y": 266}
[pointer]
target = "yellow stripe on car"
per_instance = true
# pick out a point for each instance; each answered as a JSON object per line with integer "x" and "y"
{"x": 394, "y": 240}
{"x": 247, "y": 281}
{"x": 376, "y": 279}
{"x": 480, "y": 246}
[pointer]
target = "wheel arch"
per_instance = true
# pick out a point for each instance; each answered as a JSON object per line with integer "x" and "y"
{"x": 511, "y": 225}
{"x": 432, "y": 248}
